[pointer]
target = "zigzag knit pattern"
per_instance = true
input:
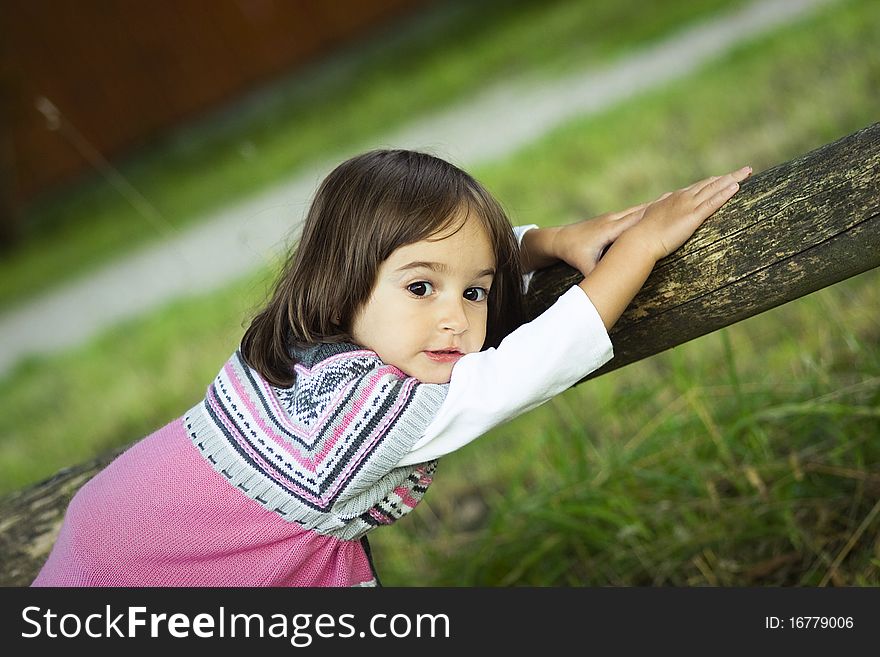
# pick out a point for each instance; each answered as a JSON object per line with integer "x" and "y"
{"x": 323, "y": 452}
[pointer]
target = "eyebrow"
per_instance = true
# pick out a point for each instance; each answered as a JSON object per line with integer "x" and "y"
{"x": 439, "y": 267}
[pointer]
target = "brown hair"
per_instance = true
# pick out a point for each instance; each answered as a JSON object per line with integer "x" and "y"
{"x": 364, "y": 209}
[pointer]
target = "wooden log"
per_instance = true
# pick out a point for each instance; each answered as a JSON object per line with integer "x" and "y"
{"x": 30, "y": 520}
{"x": 791, "y": 230}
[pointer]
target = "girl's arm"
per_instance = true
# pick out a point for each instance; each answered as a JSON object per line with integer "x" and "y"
{"x": 635, "y": 239}
{"x": 665, "y": 225}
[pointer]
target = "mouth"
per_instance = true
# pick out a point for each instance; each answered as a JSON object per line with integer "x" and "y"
{"x": 444, "y": 355}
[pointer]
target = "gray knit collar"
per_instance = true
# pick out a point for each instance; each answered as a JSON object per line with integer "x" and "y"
{"x": 311, "y": 355}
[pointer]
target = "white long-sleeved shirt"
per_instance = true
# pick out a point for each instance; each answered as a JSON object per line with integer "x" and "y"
{"x": 532, "y": 364}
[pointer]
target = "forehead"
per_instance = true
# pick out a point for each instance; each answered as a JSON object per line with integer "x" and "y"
{"x": 464, "y": 246}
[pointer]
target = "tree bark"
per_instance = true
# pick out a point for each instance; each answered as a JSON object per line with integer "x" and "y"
{"x": 791, "y": 230}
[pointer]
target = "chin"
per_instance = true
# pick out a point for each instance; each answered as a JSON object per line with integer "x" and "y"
{"x": 434, "y": 377}
{"x": 428, "y": 372}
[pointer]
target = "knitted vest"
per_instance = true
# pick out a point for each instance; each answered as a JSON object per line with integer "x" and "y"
{"x": 323, "y": 452}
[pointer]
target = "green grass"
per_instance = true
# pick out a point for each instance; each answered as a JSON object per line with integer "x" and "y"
{"x": 187, "y": 175}
{"x": 746, "y": 457}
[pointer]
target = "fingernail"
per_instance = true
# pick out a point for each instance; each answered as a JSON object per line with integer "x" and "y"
{"x": 733, "y": 186}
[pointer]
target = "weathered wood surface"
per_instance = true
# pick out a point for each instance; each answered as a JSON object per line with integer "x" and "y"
{"x": 791, "y": 230}
{"x": 30, "y": 520}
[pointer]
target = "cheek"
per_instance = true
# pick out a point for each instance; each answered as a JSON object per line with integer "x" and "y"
{"x": 479, "y": 324}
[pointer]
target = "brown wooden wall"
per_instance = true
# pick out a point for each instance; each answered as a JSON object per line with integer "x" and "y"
{"x": 123, "y": 70}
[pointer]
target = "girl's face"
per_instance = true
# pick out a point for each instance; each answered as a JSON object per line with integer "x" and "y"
{"x": 429, "y": 304}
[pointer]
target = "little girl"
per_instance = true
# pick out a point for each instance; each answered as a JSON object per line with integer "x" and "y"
{"x": 391, "y": 339}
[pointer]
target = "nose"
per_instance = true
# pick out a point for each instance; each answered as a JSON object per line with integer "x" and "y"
{"x": 453, "y": 316}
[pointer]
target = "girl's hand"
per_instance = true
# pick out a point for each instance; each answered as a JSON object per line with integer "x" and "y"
{"x": 664, "y": 226}
{"x": 579, "y": 244}
{"x": 669, "y": 221}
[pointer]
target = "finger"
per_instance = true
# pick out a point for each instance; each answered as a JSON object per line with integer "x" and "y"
{"x": 633, "y": 215}
{"x": 622, "y": 214}
{"x": 736, "y": 176}
{"x": 700, "y": 184}
{"x": 716, "y": 200}
{"x": 627, "y": 222}
{"x": 617, "y": 227}
{"x": 721, "y": 182}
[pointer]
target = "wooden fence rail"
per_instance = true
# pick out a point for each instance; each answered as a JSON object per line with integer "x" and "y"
{"x": 791, "y": 230}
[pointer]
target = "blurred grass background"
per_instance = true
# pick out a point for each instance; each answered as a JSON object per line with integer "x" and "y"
{"x": 747, "y": 457}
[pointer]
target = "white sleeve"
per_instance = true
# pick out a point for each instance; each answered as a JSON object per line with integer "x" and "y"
{"x": 519, "y": 231}
{"x": 535, "y": 362}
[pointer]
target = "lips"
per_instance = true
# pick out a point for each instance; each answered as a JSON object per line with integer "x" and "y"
{"x": 444, "y": 355}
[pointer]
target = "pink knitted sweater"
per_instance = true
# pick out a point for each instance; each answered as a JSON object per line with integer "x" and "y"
{"x": 256, "y": 486}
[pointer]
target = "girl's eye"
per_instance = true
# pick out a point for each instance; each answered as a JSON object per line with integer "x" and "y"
{"x": 420, "y": 289}
{"x": 476, "y": 294}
